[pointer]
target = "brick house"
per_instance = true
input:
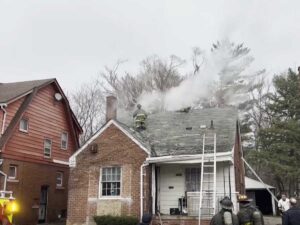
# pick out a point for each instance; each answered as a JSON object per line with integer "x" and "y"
{"x": 124, "y": 171}
{"x": 39, "y": 132}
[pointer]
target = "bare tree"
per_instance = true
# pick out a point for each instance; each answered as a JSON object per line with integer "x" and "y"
{"x": 161, "y": 75}
{"x": 197, "y": 59}
{"x": 88, "y": 104}
{"x": 155, "y": 74}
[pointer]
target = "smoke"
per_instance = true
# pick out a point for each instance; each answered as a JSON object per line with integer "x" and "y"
{"x": 221, "y": 67}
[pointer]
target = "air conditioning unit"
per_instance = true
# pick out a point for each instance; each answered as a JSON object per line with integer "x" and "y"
{"x": 94, "y": 148}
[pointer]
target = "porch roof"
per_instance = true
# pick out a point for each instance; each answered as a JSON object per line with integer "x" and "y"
{"x": 252, "y": 184}
{"x": 180, "y": 133}
{"x": 188, "y": 159}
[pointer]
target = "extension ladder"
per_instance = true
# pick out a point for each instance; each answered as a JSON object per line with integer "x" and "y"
{"x": 207, "y": 198}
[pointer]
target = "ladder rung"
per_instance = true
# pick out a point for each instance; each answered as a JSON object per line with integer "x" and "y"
{"x": 208, "y": 166}
{"x": 205, "y": 173}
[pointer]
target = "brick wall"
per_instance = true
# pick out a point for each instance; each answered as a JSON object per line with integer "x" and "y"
{"x": 114, "y": 149}
{"x": 27, "y": 187}
{"x": 180, "y": 221}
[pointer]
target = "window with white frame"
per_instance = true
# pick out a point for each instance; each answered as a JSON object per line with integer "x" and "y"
{"x": 111, "y": 181}
{"x": 12, "y": 172}
{"x": 59, "y": 179}
{"x": 64, "y": 140}
{"x": 23, "y": 125}
{"x": 192, "y": 179}
{"x": 47, "y": 148}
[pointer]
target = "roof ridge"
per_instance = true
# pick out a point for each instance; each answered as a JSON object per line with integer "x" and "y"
{"x": 25, "y": 81}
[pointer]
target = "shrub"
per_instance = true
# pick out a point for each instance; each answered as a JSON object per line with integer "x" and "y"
{"x": 116, "y": 220}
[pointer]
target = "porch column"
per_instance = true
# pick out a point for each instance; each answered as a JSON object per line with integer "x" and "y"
{"x": 273, "y": 204}
{"x": 153, "y": 189}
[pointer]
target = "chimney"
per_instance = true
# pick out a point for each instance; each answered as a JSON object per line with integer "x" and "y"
{"x": 111, "y": 108}
{"x": 211, "y": 124}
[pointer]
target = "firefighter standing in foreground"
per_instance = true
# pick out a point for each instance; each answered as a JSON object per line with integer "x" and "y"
{"x": 249, "y": 214}
{"x": 225, "y": 216}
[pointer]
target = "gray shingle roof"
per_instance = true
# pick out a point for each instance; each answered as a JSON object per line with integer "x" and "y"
{"x": 179, "y": 133}
{"x": 9, "y": 91}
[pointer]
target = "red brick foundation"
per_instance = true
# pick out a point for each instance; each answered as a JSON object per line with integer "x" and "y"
{"x": 179, "y": 221}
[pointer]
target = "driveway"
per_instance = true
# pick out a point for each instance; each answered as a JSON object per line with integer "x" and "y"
{"x": 272, "y": 220}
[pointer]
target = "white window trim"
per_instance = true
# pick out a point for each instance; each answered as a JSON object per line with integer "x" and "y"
{"x": 62, "y": 179}
{"x": 64, "y": 148}
{"x": 46, "y": 156}
{"x": 100, "y": 196}
{"x": 16, "y": 171}
{"x": 21, "y": 129}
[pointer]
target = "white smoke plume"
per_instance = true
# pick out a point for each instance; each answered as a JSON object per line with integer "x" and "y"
{"x": 219, "y": 66}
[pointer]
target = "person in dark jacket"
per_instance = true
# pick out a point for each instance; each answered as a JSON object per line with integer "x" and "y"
{"x": 292, "y": 216}
{"x": 225, "y": 216}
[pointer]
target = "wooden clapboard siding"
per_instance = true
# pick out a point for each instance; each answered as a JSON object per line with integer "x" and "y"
{"x": 47, "y": 119}
{"x": 11, "y": 111}
{"x": 168, "y": 198}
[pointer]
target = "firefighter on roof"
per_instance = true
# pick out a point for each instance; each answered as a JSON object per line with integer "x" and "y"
{"x": 140, "y": 117}
{"x": 249, "y": 214}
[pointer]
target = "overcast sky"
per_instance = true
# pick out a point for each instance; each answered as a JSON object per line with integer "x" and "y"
{"x": 73, "y": 40}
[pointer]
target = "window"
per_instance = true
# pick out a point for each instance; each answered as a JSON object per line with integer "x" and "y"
{"x": 47, "y": 148}
{"x": 111, "y": 181}
{"x": 23, "y": 125}
{"x": 12, "y": 172}
{"x": 64, "y": 140}
{"x": 59, "y": 179}
{"x": 192, "y": 179}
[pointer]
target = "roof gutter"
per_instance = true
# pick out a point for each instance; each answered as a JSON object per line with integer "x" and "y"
{"x": 2, "y": 107}
{"x": 221, "y": 156}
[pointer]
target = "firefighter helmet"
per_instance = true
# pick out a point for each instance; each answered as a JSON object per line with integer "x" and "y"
{"x": 226, "y": 203}
{"x": 244, "y": 198}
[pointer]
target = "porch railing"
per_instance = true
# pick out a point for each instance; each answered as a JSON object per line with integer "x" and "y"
{"x": 188, "y": 204}
{"x": 193, "y": 199}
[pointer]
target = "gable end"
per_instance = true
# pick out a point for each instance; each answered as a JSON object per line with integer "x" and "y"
{"x": 72, "y": 160}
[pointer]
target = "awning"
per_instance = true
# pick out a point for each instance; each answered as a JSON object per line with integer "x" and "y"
{"x": 252, "y": 184}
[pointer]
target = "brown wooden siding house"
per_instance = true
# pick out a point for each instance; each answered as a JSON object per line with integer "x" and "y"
{"x": 125, "y": 171}
{"x": 39, "y": 132}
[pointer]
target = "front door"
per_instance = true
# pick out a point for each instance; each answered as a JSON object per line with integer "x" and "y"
{"x": 43, "y": 204}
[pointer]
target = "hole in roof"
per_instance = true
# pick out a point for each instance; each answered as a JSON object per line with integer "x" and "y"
{"x": 189, "y": 128}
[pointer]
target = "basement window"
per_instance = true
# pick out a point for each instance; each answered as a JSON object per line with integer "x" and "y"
{"x": 23, "y": 125}
{"x": 12, "y": 172}
{"x": 47, "y": 148}
{"x": 111, "y": 181}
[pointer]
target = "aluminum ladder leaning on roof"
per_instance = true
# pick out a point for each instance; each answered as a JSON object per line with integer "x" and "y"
{"x": 207, "y": 198}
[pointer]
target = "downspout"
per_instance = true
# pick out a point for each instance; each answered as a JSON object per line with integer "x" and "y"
{"x": 141, "y": 189}
{"x": 2, "y": 106}
{"x": 5, "y": 180}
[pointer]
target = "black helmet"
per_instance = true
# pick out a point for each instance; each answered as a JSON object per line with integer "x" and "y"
{"x": 226, "y": 203}
{"x": 146, "y": 219}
